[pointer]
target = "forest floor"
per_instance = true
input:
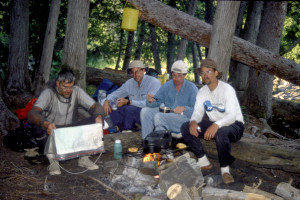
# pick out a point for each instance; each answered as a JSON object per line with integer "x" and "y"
{"x": 20, "y": 179}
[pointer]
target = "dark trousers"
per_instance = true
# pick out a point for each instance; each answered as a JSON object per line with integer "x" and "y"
{"x": 41, "y": 135}
{"x": 125, "y": 117}
{"x": 223, "y": 138}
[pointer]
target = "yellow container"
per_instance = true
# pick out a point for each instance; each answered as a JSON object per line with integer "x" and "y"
{"x": 130, "y": 19}
{"x": 162, "y": 78}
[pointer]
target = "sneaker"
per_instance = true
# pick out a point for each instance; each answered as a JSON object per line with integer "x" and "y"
{"x": 54, "y": 168}
{"x": 87, "y": 163}
{"x": 227, "y": 178}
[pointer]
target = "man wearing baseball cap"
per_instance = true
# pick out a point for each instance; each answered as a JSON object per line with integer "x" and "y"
{"x": 226, "y": 124}
{"x": 178, "y": 94}
{"x": 136, "y": 89}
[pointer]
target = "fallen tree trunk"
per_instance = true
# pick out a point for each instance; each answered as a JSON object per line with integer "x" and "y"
{"x": 248, "y": 150}
{"x": 95, "y": 76}
{"x": 264, "y": 155}
{"x": 193, "y": 29}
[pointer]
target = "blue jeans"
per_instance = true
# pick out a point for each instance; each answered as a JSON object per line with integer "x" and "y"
{"x": 152, "y": 119}
{"x": 223, "y": 138}
{"x": 125, "y": 117}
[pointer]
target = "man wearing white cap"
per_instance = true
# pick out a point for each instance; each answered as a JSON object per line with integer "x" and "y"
{"x": 136, "y": 89}
{"x": 225, "y": 125}
{"x": 178, "y": 94}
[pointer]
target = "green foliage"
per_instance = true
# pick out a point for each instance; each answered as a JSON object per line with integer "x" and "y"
{"x": 291, "y": 32}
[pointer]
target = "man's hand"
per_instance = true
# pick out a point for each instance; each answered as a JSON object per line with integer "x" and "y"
{"x": 211, "y": 132}
{"x": 121, "y": 102}
{"x": 98, "y": 119}
{"x": 150, "y": 98}
{"x": 193, "y": 128}
{"x": 106, "y": 107}
{"x": 50, "y": 127}
{"x": 179, "y": 110}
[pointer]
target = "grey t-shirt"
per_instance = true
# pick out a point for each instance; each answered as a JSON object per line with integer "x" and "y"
{"x": 59, "y": 111}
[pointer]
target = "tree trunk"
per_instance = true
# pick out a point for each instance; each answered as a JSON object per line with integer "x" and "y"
{"x": 258, "y": 95}
{"x": 250, "y": 34}
{"x": 222, "y": 34}
{"x": 238, "y": 28}
{"x": 75, "y": 44}
{"x": 170, "y": 43}
{"x": 128, "y": 50}
{"x": 208, "y": 16}
{"x": 154, "y": 48}
{"x": 8, "y": 121}
{"x": 120, "y": 49}
{"x": 195, "y": 62}
{"x": 170, "y": 51}
{"x": 43, "y": 72}
{"x": 183, "y": 42}
{"x": 198, "y": 31}
{"x": 17, "y": 79}
{"x": 139, "y": 46}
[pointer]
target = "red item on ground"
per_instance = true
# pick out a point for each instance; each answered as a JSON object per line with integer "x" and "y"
{"x": 22, "y": 113}
{"x": 105, "y": 131}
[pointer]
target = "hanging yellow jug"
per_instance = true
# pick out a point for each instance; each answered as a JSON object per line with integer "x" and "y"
{"x": 130, "y": 19}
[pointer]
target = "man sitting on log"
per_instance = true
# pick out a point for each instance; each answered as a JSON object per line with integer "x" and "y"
{"x": 178, "y": 95}
{"x": 55, "y": 108}
{"x": 125, "y": 113}
{"x": 226, "y": 125}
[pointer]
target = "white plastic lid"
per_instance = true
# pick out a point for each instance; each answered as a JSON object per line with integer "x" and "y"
{"x": 118, "y": 141}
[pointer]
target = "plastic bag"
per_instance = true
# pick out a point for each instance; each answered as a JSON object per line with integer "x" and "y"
{"x": 20, "y": 139}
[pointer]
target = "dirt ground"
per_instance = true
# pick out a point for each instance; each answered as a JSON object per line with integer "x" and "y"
{"x": 19, "y": 179}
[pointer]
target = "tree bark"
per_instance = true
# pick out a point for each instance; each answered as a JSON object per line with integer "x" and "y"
{"x": 8, "y": 121}
{"x": 120, "y": 49}
{"x": 183, "y": 42}
{"x": 170, "y": 51}
{"x": 195, "y": 62}
{"x": 139, "y": 46}
{"x": 238, "y": 28}
{"x": 250, "y": 34}
{"x": 208, "y": 16}
{"x": 75, "y": 44}
{"x": 222, "y": 34}
{"x": 154, "y": 48}
{"x": 17, "y": 80}
{"x": 258, "y": 96}
{"x": 43, "y": 72}
{"x": 198, "y": 31}
{"x": 128, "y": 50}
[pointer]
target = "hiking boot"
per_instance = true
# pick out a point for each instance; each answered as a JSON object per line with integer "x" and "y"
{"x": 53, "y": 168}
{"x": 207, "y": 167}
{"x": 227, "y": 178}
{"x": 87, "y": 163}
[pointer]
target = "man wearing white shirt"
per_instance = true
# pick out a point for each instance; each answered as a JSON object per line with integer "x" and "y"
{"x": 226, "y": 125}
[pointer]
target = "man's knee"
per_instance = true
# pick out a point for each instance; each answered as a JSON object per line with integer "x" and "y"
{"x": 185, "y": 128}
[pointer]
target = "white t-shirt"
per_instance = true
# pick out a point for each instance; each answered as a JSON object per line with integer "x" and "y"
{"x": 222, "y": 96}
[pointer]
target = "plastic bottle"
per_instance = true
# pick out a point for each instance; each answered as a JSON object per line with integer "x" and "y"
{"x": 101, "y": 96}
{"x": 118, "y": 149}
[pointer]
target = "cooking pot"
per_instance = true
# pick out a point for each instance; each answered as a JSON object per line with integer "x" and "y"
{"x": 165, "y": 109}
{"x": 157, "y": 140}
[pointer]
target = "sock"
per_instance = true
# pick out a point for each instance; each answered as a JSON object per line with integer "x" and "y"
{"x": 203, "y": 161}
{"x": 225, "y": 170}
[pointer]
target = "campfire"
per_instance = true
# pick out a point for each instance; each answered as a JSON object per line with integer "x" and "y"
{"x": 152, "y": 157}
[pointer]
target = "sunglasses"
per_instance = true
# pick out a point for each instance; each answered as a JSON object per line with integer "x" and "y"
{"x": 208, "y": 107}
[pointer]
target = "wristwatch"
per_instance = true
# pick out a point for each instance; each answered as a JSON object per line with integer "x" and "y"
{"x": 128, "y": 102}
